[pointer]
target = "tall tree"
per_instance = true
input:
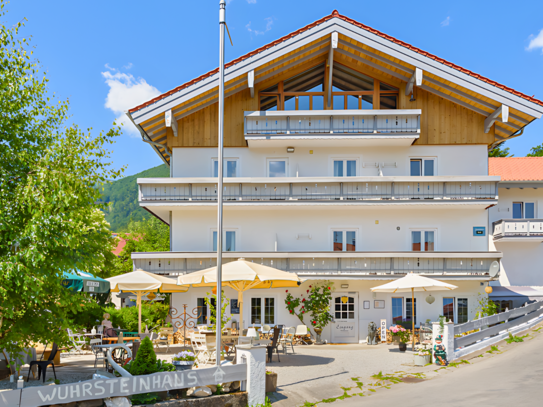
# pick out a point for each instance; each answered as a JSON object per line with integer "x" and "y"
{"x": 536, "y": 151}
{"x": 50, "y": 223}
{"x": 500, "y": 152}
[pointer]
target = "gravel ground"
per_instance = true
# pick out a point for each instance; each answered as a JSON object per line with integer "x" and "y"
{"x": 318, "y": 372}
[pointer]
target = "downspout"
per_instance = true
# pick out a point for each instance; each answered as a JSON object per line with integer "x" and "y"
{"x": 498, "y": 142}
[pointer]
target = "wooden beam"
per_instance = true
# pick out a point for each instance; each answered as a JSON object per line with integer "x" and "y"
{"x": 416, "y": 79}
{"x": 333, "y": 45}
{"x": 251, "y": 82}
{"x": 170, "y": 121}
{"x": 503, "y": 110}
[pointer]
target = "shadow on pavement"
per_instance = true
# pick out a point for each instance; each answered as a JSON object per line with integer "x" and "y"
{"x": 299, "y": 360}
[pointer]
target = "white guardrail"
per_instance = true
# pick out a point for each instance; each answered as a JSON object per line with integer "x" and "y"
{"x": 517, "y": 227}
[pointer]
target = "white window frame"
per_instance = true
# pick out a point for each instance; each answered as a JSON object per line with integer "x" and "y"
{"x": 422, "y": 230}
{"x": 269, "y": 159}
{"x": 344, "y": 230}
{"x": 455, "y": 307}
{"x": 215, "y": 159}
{"x": 524, "y": 209}
{"x": 434, "y": 159}
{"x": 262, "y": 309}
{"x": 236, "y": 238}
{"x": 345, "y": 159}
{"x": 457, "y": 304}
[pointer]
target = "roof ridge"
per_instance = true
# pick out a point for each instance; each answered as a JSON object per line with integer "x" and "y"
{"x": 336, "y": 14}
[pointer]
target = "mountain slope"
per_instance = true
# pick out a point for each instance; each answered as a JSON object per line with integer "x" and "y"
{"x": 122, "y": 196}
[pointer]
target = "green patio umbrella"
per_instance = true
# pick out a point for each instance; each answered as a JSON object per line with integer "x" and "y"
{"x": 86, "y": 282}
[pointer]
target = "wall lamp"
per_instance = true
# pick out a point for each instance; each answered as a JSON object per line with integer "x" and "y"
{"x": 290, "y": 149}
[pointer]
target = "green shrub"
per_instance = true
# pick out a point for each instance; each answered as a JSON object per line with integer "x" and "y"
{"x": 145, "y": 361}
{"x": 152, "y": 313}
{"x": 145, "y": 398}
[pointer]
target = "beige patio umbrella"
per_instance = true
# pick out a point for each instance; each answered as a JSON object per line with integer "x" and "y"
{"x": 141, "y": 283}
{"x": 241, "y": 275}
{"x": 411, "y": 283}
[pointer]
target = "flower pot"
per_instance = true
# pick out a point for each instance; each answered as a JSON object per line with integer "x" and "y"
{"x": 183, "y": 364}
{"x": 421, "y": 360}
{"x": 271, "y": 382}
{"x": 318, "y": 332}
{"x": 396, "y": 339}
{"x": 402, "y": 346}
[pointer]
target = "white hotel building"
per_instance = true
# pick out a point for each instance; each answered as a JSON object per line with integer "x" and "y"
{"x": 350, "y": 156}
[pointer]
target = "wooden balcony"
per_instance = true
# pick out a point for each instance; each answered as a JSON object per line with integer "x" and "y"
{"x": 518, "y": 230}
{"x": 330, "y": 127}
{"x": 413, "y": 190}
{"x": 330, "y": 264}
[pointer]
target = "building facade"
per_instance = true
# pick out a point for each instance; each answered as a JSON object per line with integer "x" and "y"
{"x": 350, "y": 157}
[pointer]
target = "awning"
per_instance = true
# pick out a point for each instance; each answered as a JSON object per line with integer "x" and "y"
{"x": 86, "y": 282}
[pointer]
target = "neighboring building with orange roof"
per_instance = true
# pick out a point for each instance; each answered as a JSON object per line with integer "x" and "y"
{"x": 517, "y": 220}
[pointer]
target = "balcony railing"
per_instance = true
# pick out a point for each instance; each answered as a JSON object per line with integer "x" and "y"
{"x": 517, "y": 228}
{"x": 327, "y": 122}
{"x": 266, "y": 189}
{"x": 328, "y": 263}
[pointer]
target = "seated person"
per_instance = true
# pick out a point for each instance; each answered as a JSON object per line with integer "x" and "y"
{"x": 106, "y": 322}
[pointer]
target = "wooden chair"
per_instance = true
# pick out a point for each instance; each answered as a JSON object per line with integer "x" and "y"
{"x": 275, "y": 343}
{"x": 204, "y": 354}
{"x": 42, "y": 364}
{"x": 161, "y": 339}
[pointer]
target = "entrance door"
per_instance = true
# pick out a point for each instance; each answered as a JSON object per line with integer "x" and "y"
{"x": 345, "y": 313}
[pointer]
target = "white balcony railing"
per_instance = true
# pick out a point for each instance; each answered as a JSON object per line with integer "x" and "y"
{"x": 327, "y": 122}
{"x": 323, "y": 189}
{"x": 344, "y": 263}
{"x": 517, "y": 228}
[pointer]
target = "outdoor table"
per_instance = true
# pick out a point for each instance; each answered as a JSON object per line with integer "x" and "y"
{"x": 115, "y": 340}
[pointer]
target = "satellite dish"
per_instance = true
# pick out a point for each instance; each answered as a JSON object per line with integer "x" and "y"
{"x": 494, "y": 269}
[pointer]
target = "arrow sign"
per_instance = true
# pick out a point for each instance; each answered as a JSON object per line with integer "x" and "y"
{"x": 219, "y": 374}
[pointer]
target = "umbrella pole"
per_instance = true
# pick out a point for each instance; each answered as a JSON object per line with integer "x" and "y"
{"x": 413, "y": 317}
{"x": 240, "y": 305}
{"x": 139, "y": 310}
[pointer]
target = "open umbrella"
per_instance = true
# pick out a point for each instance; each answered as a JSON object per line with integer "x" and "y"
{"x": 241, "y": 275}
{"x": 141, "y": 283}
{"x": 86, "y": 282}
{"x": 411, "y": 283}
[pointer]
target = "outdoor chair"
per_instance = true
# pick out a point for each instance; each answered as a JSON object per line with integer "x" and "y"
{"x": 42, "y": 364}
{"x": 161, "y": 339}
{"x": 266, "y": 330}
{"x": 274, "y": 344}
{"x": 200, "y": 348}
{"x": 99, "y": 353}
{"x": 302, "y": 335}
{"x": 77, "y": 342}
{"x": 110, "y": 333}
{"x": 288, "y": 339}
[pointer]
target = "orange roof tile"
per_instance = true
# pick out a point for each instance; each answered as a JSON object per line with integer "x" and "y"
{"x": 335, "y": 14}
{"x": 516, "y": 168}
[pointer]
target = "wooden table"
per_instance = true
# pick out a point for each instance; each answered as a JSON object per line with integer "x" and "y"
{"x": 115, "y": 340}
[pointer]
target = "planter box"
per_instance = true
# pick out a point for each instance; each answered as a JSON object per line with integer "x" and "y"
{"x": 271, "y": 382}
{"x": 422, "y": 360}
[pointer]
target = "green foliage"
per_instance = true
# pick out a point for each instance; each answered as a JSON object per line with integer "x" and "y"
{"x": 163, "y": 366}
{"x": 121, "y": 199}
{"x": 318, "y": 303}
{"x": 213, "y": 311}
{"x": 493, "y": 349}
{"x": 461, "y": 362}
{"x": 145, "y": 361}
{"x": 441, "y": 324}
{"x": 152, "y": 314}
{"x": 486, "y": 308}
{"x": 145, "y": 398}
{"x": 50, "y": 222}
{"x": 499, "y": 152}
{"x": 516, "y": 339}
{"x": 536, "y": 151}
{"x": 293, "y": 303}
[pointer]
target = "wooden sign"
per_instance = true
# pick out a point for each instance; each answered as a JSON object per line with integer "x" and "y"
{"x": 383, "y": 330}
{"x": 123, "y": 386}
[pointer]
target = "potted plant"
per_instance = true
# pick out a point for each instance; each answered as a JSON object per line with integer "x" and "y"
{"x": 184, "y": 360}
{"x": 422, "y": 357}
{"x": 403, "y": 335}
{"x": 271, "y": 381}
{"x": 318, "y": 304}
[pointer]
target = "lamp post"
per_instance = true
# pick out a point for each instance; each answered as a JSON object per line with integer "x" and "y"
{"x": 218, "y": 305}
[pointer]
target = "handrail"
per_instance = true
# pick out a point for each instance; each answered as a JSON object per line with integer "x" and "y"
{"x": 114, "y": 364}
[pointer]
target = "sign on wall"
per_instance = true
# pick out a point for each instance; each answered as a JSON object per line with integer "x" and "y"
{"x": 234, "y": 307}
{"x": 479, "y": 231}
{"x": 383, "y": 330}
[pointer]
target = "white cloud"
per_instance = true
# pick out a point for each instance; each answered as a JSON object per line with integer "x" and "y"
{"x": 128, "y": 66}
{"x": 126, "y": 92}
{"x": 269, "y": 23}
{"x": 446, "y": 22}
{"x": 536, "y": 41}
{"x": 251, "y": 1}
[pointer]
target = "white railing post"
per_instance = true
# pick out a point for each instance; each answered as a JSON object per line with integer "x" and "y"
{"x": 255, "y": 358}
{"x": 448, "y": 339}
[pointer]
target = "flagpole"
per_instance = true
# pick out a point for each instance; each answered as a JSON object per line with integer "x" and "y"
{"x": 218, "y": 305}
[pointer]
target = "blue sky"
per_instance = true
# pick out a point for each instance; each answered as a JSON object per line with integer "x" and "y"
{"x": 106, "y": 56}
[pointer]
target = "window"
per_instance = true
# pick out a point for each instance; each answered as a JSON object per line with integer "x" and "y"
{"x": 344, "y": 168}
{"x": 523, "y": 210}
{"x": 262, "y": 311}
{"x": 408, "y": 310}
{"x": 229, "y": 241}
{"x": 448, "y": 308}
{"x": 422, "y": 240}
{"x": 344, "y": 307}
{"x": 201, "y": 311}
{"x": 344, "y": 240}
{"x": 277, "y": 167}
{"x": 462, "y": 310}
{"x": 230, "y": 167}
{"x": 422, "y": 167}
{"x": 397, "y": 310}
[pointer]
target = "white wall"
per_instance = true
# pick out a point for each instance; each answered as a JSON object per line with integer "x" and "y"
{"x": 451, "y": 160}
{"x": 256, "y": 227}
{"x": 504, "y": 209}
{"x": 361, "y": 288}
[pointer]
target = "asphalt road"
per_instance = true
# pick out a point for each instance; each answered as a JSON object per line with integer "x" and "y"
{"x": 512, "y": 378}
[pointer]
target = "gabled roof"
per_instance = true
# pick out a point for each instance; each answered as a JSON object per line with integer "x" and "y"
{"x": 335, "y": 14}
{"x": 516, "y": 168}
